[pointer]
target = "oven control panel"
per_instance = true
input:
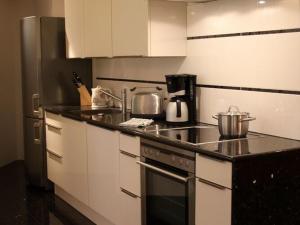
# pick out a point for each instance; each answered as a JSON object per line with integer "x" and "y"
{"x": 168, "y": 157}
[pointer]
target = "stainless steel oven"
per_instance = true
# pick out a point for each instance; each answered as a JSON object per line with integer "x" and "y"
{"x": 168, "y": 184}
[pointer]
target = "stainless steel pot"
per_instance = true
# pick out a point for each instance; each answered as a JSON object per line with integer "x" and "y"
{"x": 233, "y": 123}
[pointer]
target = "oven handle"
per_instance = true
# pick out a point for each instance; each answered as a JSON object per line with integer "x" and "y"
{"x": 184, "y": 179}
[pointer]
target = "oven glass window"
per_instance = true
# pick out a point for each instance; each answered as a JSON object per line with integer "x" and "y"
{"x": 166, "y": 198}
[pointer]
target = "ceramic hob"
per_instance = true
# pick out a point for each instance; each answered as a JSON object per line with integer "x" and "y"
{"x": 196, "y": 135}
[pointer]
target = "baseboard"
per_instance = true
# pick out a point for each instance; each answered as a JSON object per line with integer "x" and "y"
{"x": 82, "y": 208}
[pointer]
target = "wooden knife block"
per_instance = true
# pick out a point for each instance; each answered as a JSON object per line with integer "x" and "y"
{"x": 85, "y": 97}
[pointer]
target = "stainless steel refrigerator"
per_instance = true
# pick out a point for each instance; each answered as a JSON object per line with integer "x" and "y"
{"x": 46, "y": 81}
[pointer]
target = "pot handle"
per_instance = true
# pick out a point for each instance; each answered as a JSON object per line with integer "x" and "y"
{"x": 215, "y": 117}
{"x": 248, "y": 119}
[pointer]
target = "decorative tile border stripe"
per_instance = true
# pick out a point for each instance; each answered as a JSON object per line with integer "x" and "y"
{"x": 131, "y": 80}
{"x": 294, "y": 30}
{"x": 266, "y": 90}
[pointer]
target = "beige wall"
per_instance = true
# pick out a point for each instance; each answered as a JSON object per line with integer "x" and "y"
{"x": 11, "y": 135}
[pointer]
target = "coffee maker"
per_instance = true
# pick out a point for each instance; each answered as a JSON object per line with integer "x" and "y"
{"x": 181, "y": 109}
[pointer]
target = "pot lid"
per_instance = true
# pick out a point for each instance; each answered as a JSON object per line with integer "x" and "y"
{"x": 233, "y": 111}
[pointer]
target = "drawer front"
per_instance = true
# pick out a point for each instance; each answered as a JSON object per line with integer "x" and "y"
{"x": 213, "y": 204}
{"x": 130, "y": 178}
{"x": 216, "y": 171}
{"x": 54, "y": 131}
{"x": 130, "y": 209}
{"x": 130, "y": 144}
{"x": 55, "y": 169}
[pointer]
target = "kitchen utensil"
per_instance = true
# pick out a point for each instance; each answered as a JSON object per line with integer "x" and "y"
{"x": 177, "y": 111}
{"x": 85, "y": 97}
{"x": 101, "y": 100}
{"x": 233, "y": 123}
{"x": 147, "y": 104}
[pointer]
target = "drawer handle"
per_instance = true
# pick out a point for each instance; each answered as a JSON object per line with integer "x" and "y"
{"x": 54, "y": 154}
{"x": 129, "y": 193}
{"x": 54, "y": 127}
{"x": 128, "y": 154}
{"x": 212, "y": 184}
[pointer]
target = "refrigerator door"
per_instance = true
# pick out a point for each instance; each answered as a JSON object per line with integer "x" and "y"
{"x": 56, "y": 71}
{"x": 30, "y": 43}
{"x": 34, "y": 151}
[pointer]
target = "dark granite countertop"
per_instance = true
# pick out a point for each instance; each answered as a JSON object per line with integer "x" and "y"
{"x": 231, "y": 150}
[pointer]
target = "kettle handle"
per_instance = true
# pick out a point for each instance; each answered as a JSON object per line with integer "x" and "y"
{"x": 178, "y": 107}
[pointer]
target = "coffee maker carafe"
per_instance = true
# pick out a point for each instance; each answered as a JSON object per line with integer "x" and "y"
{"x": 181, "y": 108}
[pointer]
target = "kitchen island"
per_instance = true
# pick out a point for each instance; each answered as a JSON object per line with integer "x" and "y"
{"x": 240, "y": 182}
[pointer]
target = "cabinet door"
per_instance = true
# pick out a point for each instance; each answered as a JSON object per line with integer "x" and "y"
{"x": 74, "y": 23}
{"x": 168, "y": 28}
{"x": 130, "y": 27}
{"x": 75, "y": 159}
{"x": 103, "y": 171}
{"x": 130, "y": 209}
{"x": 213, "y": 204}
{"x": 97, "y": 28}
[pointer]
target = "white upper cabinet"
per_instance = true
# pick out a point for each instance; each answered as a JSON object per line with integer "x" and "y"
{"x": 130, "y": 27}
{"x": 88, "y": 28}
{"x": 74, "y": 28}
{"x": 112, "y": 28}
{"x": 149, "y": 28}
{"x": 167, "y": 28}
{"x": 97, "y": 28}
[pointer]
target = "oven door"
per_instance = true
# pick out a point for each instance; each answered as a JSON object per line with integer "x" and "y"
{"x": 168, "y": 194}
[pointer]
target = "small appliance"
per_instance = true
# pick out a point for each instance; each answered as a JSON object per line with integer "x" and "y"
{"x": 147, "y": 104}
{"x": 181, "y": 108}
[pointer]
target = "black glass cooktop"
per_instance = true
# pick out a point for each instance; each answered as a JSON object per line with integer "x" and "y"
{"x": 197, "y": 135}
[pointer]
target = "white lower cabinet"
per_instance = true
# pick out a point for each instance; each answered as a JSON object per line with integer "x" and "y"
{"x": 213, "y": 204}
{"x": 75, "y": 159}
{"x": 130, "y": 209}
{"x": 103, "y": 172}
{"x": 67, "y": 155}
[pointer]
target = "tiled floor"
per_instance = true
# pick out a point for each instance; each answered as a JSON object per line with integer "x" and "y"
{"x": 21, "y": 205}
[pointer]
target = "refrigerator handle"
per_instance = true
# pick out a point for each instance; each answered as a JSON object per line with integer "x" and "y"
{"x": 37, "y": 132}
{"x": 36, "y": 104}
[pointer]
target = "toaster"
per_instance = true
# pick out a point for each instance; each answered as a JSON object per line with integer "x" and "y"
{"x": 147, "y": 105}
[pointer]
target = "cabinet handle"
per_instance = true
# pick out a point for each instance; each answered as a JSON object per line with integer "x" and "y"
{"x": 35, "y": 104}
{"x": 54, "y": 154}
{"x": 212, "y": 184}
{"x": 37, "y": 133}
{"x": 128, "y": 154}
{"x": 54, "y": 127}
{"x": 129, "y": 193}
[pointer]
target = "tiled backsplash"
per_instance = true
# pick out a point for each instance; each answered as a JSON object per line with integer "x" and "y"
{"x": 267, "y": 61}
